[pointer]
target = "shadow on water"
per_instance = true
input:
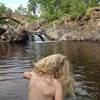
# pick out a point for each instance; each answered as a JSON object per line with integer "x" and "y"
{"x": 16, "y": 58}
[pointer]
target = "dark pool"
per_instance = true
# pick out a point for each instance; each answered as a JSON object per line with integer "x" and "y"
{"x": 16, "y": 58}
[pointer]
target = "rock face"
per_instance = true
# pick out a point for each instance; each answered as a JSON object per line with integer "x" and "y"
{"x": 20, "y": 34}
{"x": 12, "y": 34}
{"x": 88, "y": 28}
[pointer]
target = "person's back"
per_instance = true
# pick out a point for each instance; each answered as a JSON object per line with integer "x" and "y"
{"x": 40, "y": 88}
{"x": 50, "y": 79}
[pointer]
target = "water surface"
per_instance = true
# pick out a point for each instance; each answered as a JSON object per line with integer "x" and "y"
{"x": 16, "y": 58}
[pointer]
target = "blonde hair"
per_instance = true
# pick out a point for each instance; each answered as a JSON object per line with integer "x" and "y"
{"x": 58, "y": 67}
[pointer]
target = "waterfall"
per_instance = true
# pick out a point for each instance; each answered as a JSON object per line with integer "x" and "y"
{"x": 44, "y": 37}
{"x": 37, "y": 38}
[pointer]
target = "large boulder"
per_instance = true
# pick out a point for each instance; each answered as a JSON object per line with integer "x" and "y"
{"x": 14, "y": 35}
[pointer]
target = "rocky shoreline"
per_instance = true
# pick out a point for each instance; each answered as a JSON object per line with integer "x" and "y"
{"x": 84, "y": 29}
{"x": 88, "y": 28}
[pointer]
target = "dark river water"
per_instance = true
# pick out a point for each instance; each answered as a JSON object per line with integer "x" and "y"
{"x": 83, "y": 56}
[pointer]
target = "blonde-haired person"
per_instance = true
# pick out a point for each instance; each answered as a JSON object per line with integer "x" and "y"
{"x": 50, "y": 78}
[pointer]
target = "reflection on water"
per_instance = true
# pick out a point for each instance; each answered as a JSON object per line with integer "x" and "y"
{"x": 15, "y": 59}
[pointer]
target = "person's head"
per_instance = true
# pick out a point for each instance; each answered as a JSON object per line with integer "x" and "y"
{"x": 58, "y": 67}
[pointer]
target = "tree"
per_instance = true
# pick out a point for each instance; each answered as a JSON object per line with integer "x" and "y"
{"x": 3, "y": 8}
{"x": 77, "y": 8}
{"x": 9, "y": 11}
{"x": 54, "y": 9}
{"x": 21, "y": 10}
{"x": 93, "y": 2}
{"x": 32, "y": 8}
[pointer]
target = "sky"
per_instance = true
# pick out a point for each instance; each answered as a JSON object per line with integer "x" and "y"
{"x": 13, "y": 4}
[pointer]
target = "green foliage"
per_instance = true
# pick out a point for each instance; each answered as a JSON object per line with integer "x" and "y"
{"x": 89, "y": 12}
{"x": 30, "y": 19}
{"x": 65, "y": 6}
{"x": 53, "y": 16}
{"x": 93, "y": 2}
{"x": 49, "y": 8}
{"x": 77, "y": 8}
{"x": 9, "y": 11}
{"x": 3, "y": 21}
{"x": 54, "y": 9}
{"x": 32, "y": 7}
{"x": 21, "y": 10}
{"x": 4, "y": 9}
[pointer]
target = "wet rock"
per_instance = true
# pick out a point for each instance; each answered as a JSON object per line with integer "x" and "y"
{"x": 2, "y": 30}
{"x": 14, "y": 35}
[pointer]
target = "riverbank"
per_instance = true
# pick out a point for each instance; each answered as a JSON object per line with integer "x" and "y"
{"x": 86, "y": 28}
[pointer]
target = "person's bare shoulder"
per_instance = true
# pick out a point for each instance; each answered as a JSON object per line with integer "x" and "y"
{"x": 57, "y": 83}
{"x": 58, "y": 90}
{"x": 28, "y": 75}
{"x": 33, "y": 73}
